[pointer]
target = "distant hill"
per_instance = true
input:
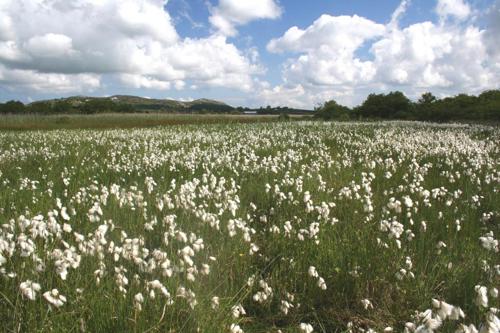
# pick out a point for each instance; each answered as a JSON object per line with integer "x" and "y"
{"x": 135, "y": 104}
{"x": 142, "y": 104}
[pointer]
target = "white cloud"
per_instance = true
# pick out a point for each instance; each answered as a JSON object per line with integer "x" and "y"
{"x": 427, "y": 56}
{"x": 305, "y": 97}
{"x": 143, "y": 81}
{"x": 493, "y": 32}
{"x": 327, "y": 51}
{"x": 454, "y": 8}
{"x": 445, "y": 57}
{"x": 18, "y": 79}
{"x": 132, "y": 40}
{"x": 336, "y": 34}
{"x": 293, "y": 96}
{"x": 6, "y": 26}
{"x": 49, "y": 45}
{"x": 229, "y": 14}
{"x": 398, "y": 13}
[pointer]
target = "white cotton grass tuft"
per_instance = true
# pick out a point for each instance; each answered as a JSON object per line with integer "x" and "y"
{"x": 306, "y": 328}
{"x": 54, "y": 298}
{"x": 235, "y": 328}
{"x": 215, "y": 302}
{"x": 481, "y": 296}
{"x": 238, "y": 311}
{"x": 64, "y": 214}
{"x": 29, "y": 289}
{"x": 138, "y": 301}
{"x": 312, "y": 272}
{"x": 321, "y": 283}
{"x": 367, "y": 304}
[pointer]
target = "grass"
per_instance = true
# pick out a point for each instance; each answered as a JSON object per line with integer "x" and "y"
{"x": 262, "y": 171}
{"x": 116, "y": 120}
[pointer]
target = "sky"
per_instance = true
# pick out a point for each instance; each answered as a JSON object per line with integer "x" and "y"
{"x": 252, "y": 53}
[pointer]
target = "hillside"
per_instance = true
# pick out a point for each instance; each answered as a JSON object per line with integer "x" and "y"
{"x": 138, "y": 104}
{"x": 135, "y": 104}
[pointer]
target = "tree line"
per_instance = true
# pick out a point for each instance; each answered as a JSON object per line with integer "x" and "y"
{"x": 395, "y": 105}
{"x": 64, "y": 106}
{"x": 104, "y": 105}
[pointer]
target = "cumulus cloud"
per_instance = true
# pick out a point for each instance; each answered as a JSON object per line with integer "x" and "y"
{"x": 427, "y": 56}
{"x": 443, "y": 57}
{"x": 328, "y": 47}
{"x": 47, "y": 82}
{"x": 293, "y": 96}
{"x": 398, "y": 13}
{"x": 339, "y": 34}
{"x": 68, "y": 42}
{"x": 453, "y": 8}
{"x": 229, "y": 14}
{"x": 49, "y": 46}
{"x": 493, "y": 32}
{"x": 303, "y": 96}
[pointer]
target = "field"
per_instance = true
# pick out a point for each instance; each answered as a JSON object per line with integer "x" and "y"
{"x": 262, "y": 227}
{"x": 121, "y": 120}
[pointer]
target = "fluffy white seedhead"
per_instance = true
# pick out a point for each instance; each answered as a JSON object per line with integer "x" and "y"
{"x": 54, "y": 298}
{"x": 29, "y": 289}
{"x": 306, "y": 328}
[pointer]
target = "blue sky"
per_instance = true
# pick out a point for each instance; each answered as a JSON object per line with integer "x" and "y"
{"x": 248, "y": 52}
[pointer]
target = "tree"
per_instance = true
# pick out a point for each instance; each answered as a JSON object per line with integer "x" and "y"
{"x": 489, "y": 105}
{"x": 332, "y": 110}
{"x": 424, "y": 106}
{"x": 461, "y": 107}
{"x": 98, "y": 105}
{"x": 427, "y": 98}
{"x": 490, "y": 95}
{"x": 61, "y": 106}
{"x": 12, "y": 107}
{"x": 391, "y": 106}
{"x": 40, "y": 107}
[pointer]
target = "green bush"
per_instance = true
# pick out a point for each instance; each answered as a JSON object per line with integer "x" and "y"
{"x": 332, "y": 110}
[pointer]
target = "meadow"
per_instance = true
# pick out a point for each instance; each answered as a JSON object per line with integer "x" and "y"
{"x": 121, "y": 120}
{"x": 259, "y": 227}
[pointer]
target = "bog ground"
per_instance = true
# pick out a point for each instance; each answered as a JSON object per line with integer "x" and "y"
{"x": 270, "y": 227}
